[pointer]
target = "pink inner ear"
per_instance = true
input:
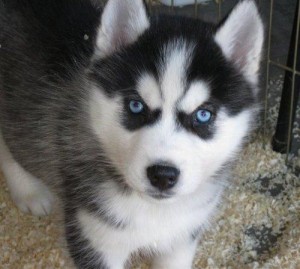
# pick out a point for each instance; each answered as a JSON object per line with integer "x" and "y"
{"x": 122, "y": 23}
{"x": 241, "y": 51}
{"x": 241, "y": 38}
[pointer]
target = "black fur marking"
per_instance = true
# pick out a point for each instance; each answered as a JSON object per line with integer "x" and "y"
{"x": 132, "y": 61}
{"x": 205, "y": 130}
{"x": 227, "y": 84}
{"x": 133, "y": 121}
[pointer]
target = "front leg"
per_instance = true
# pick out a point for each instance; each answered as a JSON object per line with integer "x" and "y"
{"x": 181, "y": 257}
{"x": 87, "y": 246}
{"x": 93, "y": 233}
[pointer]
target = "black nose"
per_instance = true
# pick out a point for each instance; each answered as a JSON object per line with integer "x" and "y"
{"x": 163, "y": 177}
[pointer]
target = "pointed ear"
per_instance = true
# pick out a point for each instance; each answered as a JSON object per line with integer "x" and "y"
{"x": 122, "y": 22}
{"x": 241, "y": 38}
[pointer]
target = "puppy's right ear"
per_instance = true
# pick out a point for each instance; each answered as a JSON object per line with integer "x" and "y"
{"x": 122, "y": 22}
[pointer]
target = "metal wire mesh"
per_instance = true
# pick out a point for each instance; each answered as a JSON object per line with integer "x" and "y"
{"x": 290, "y": 69}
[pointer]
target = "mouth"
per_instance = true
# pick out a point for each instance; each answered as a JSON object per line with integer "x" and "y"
{"x": 160, "y": 195}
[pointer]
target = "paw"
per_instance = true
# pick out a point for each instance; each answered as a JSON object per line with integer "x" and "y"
{"x": 29, "y": 194}
{"x": 38, "y": 201}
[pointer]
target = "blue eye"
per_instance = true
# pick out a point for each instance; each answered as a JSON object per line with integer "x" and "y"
{"x": 203, "y": 116}
{"x": 136, "y": 107}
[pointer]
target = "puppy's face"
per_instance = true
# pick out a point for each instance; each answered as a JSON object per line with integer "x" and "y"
{"x": 172, "y": 108}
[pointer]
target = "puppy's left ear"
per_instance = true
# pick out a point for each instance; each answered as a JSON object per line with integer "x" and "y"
{"x": 122, "y": 22}
{"x": 241, "y": 38}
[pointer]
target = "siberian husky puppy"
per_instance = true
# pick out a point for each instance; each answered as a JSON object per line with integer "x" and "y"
{"x": 132, "y": 121}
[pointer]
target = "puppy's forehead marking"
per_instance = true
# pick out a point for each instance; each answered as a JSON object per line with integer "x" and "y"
{"x": 177, "y": 57}
{"x": 149, "y": 90}
{"x": 197, "y": 94}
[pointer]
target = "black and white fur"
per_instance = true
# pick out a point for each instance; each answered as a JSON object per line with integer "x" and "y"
{"x": 68, "y": 71}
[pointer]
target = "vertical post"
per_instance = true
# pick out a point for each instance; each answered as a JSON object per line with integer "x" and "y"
{"x": 282, "y": 139}
{"x": 268, "y": 72}
{"x": 172, "y": 5}
{"x": 196, "y": 8}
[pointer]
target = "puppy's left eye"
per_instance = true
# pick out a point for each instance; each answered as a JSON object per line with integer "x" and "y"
{"x": 203, "y": 116}
{"x": 136, "y": 107}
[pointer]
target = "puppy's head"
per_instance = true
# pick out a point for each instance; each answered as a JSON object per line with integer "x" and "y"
{"x": 173, "y": 98}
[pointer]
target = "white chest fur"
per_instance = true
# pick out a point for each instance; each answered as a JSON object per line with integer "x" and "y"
{"x": 152, "y": 226}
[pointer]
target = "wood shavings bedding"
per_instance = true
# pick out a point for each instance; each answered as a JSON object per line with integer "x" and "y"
{"x": 258, "y": 225}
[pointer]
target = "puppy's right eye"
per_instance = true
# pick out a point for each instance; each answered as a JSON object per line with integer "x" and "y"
{"x": 136, "y": 107}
